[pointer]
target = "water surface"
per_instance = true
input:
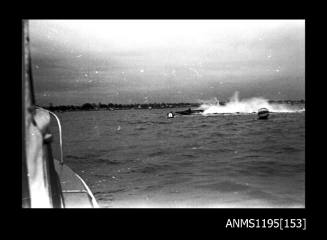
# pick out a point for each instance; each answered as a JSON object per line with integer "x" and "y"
{"x": 139, "y": 158}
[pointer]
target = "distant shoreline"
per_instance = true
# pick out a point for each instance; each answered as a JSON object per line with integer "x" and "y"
{"x": 114, "y": 106}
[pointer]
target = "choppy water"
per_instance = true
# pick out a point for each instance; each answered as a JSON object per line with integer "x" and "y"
{"x": 139, "y": 158}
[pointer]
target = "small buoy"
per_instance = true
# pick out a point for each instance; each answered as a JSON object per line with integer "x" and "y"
{"x": 170, "y": 115}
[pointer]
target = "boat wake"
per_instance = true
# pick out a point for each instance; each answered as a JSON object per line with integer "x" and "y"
{"x": 247, "y": 106}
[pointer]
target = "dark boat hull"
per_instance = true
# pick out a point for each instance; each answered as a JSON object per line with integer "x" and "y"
{"x": 263, "y": 116}
{"x": 189, "y": 112}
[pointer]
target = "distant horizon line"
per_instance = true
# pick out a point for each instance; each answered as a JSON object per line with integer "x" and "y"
{"x": 161, "y": 103}
{"x": 138, "y": 103}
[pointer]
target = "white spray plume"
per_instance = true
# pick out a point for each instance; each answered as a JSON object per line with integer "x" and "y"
{"x": 250, "y": 105}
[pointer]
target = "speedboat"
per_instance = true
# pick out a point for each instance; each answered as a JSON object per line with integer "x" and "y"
{"x": 46, "y": 182}
{"x": 263, "y": 113}
{"x": 189, "y": 112}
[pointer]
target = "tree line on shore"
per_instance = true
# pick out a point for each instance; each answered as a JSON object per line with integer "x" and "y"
{"x": 115, "y": 106}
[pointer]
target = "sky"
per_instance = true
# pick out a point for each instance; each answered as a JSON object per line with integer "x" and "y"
{"x": 147, "y": 61}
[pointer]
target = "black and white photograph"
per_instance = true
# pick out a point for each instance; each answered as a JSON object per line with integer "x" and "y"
{"x": 163, "y": 113}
